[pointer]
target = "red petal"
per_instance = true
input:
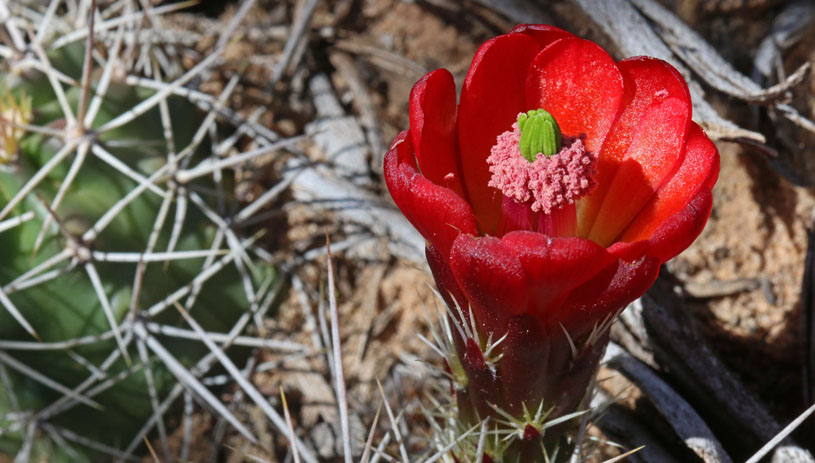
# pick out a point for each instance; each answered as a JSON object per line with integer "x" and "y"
{"x": 555, "y": 266}
{"x": 491, "y": 98}
{"x": 628, "y": 251}
{"x": 606, "y": 294}
{"x": 543, "y": 33}
{"x": 438, "y": 213}
{"x": 433, "y": 128}
{"x": 395, "y": 180}
{"x": 579, "y": 84}
{"x": 654, "y": 154}
{"x": 676, "y": 233}
{"x": 491, "y": 276}
{"x": 699, "y": 169}
{"x": 648, "y": 81}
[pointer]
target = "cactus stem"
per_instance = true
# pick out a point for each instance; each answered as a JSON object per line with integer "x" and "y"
{"x": 60, "y": 250}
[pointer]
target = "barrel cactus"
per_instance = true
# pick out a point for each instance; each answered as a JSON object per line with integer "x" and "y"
{"x": 118, "y": 251}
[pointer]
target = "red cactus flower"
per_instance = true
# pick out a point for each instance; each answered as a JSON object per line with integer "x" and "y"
{"x": 550, "y": 195}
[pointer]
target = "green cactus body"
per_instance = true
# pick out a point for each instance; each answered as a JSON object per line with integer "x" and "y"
{"x": 67, "y": 307}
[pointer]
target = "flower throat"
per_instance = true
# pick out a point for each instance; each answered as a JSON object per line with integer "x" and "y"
{"x": 541, "y": 174}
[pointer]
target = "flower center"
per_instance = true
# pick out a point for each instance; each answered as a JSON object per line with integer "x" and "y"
{"x": 540, "y": 170}
{"x": 564, "y": 174}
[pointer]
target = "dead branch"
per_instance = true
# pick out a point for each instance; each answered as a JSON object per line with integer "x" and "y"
{"x": 689, "y": 426}
{"x": 658, "y": 327}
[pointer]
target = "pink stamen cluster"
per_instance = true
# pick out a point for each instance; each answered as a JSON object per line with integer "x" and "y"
{"x": 551, "y": 182}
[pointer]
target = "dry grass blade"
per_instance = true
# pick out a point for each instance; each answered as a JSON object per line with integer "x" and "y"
{"x": 295, "y": 36}
{"x": 379, "y": 451}
{"x": 336, "y": 343}
{"x": 243, "y": 10}
{"x": 287, "y": 415}
{"x": 366, "y": 454}
{"x": 769, "y": 446}
{"x": 624, "y": 455}
{"x": 150, "y": 449}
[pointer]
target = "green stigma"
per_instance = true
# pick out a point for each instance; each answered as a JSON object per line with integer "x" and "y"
{"x": 539, "y": 134}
